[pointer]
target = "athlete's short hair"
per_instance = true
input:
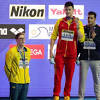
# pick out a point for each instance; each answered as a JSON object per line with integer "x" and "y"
{"x": 92, "y": 13}
{"x": 69, "y": 3}
{"x": 21, "y": 33}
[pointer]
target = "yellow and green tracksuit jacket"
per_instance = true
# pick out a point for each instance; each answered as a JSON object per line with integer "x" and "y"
{"x": 14, "y": 69}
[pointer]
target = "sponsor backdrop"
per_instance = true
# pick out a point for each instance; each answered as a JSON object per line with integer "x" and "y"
{"x": 37, "y": 18}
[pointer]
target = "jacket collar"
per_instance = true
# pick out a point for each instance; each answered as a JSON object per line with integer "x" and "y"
{"x": 24, "y": 49}
{"x": 65, "y": 19}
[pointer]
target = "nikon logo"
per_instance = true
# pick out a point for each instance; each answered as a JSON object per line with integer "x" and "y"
{"x": 27, "y": 11}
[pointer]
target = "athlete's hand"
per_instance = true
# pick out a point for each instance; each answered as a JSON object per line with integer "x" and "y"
{"x": 77, "y": 62}
{"x": 52, "y": 61}
{"x": 93, "y": 35}
{"x": 77, "y": 22}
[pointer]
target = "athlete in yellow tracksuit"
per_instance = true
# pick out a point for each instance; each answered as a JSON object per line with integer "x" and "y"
{"x": 14, "y": 71}
{"x": 17, "y": 69}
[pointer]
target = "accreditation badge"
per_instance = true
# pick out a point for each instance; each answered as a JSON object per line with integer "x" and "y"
{"x": 89, "y": 45}
{"x": 67, "y": 35}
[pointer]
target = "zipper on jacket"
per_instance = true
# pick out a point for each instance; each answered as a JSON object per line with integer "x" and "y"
{"x": 24, "y": 75}
{"x": 66, "y": 43}
{"x": 88, "y": 49}
{"x": 24, "y": 63}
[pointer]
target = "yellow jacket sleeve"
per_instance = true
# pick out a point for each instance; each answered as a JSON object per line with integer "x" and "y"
{"x": 81, "y": 29}
{"x": 8, "y": 63}
{"x": 55, "y": 31}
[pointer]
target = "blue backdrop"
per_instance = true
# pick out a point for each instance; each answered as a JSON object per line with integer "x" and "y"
{"x": 41, "y": 72}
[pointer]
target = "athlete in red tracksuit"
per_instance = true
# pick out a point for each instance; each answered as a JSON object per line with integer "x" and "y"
{"x": 67, "y": 29}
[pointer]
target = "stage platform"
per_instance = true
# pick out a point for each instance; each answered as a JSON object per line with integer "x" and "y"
{"x": 50, "y": 98}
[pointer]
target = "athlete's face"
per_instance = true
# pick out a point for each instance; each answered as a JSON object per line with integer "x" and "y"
{"x": 69, "y": 11}
{"x": 91, "y": 19}
{"x": 21, "y": 40}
